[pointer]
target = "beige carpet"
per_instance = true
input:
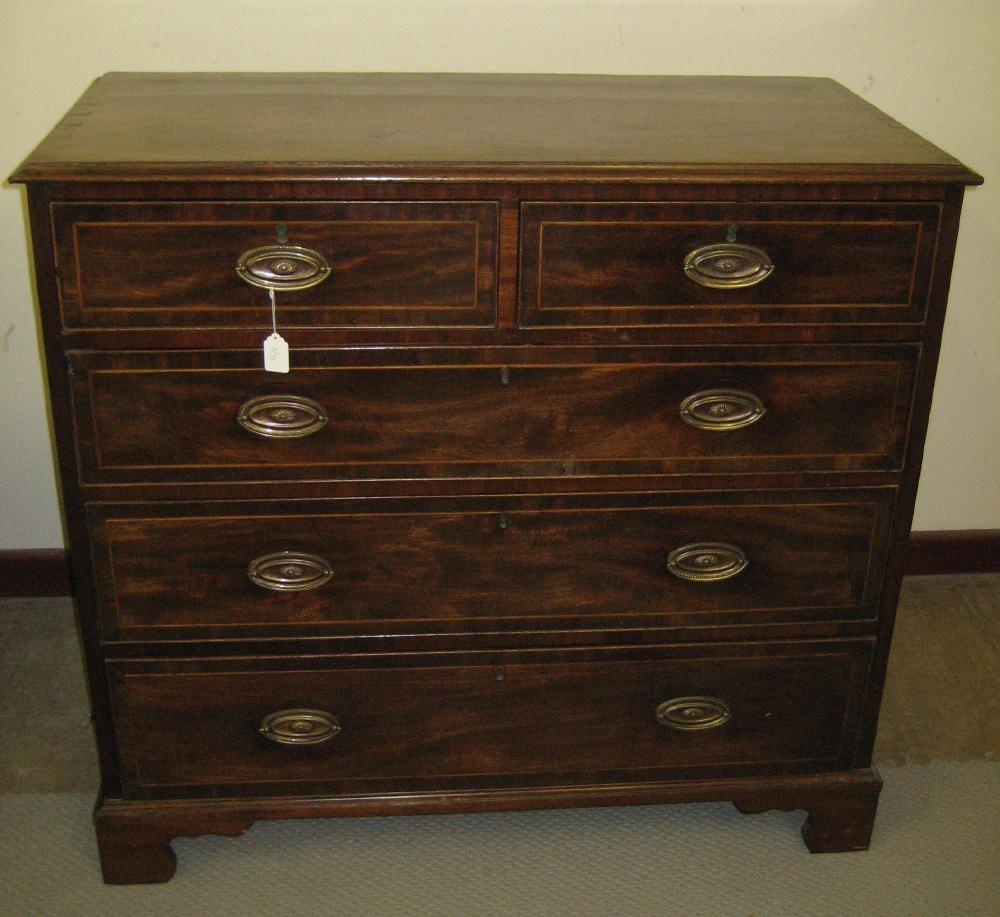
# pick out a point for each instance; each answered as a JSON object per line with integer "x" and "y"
{"x": 935, "y": 851}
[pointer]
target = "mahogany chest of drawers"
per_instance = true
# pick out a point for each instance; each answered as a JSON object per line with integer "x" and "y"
{"x": 591, "y": 476}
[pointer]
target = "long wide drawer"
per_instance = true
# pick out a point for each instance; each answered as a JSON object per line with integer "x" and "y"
{"x": 187, "y": 571}
{"x": 499, "y": 413}
{"x": 373, "y": 263}
{"x": 374, "y": 723}
{"x": 635, "y": 263}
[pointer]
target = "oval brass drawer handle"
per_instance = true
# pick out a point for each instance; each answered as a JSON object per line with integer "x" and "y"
{"x": 289, "y": 571}
{"x": 728, "y": 266}
{"x": 689, "y": 714}
{"x": 721, "y": 409}
{"x": 707, "y": 561}
{"x": 299, "y": 727}
{"x": 281, "y": 416}
{"x": 282, "y": 267}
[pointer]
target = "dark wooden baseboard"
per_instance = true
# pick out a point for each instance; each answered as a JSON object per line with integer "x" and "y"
{"x": 34, "y": 572}
{"x": 45, "y": 572}
{"x": 958, "y": 551}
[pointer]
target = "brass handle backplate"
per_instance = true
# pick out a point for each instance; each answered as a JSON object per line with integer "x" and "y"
{"x": 299, "y": 727}
{"x": 689, "y": 714}
{"x": 281, "y": 416}
{"x": 728, "y": 265}
{"x": 707, "y": 562}
{"x": 289, "y": 571}
{"x": 282, "y": 267}
{"x": 721, "y": 409}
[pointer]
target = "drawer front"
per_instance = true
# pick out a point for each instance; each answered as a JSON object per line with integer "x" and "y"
{"x": 177, "y": 416}
{"x": 601, "y": 264}
{"x": 391, "y": 264}
{"x": 509, "y": 719}
{"x": 663, "y": 560}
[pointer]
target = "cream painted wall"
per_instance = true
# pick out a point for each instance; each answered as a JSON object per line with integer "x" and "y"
{"x": 935, "y": 66}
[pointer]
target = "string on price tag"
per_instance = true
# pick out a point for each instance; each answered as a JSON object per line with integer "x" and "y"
{"x": 275, "y": 346}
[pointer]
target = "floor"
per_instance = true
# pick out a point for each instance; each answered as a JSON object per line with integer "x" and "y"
{"x": 936, "y": 847}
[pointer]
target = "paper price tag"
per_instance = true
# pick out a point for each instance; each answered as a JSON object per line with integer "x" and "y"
{"x": 276, "y": 354}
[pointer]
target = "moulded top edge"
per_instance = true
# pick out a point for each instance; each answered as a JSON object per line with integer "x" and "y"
{"x": 221, "y": 172}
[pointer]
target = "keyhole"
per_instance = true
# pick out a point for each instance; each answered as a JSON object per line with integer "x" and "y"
{"x": 282, "y": 230}
{"x": 503, "y": 522}
{"x": 505, "y": 375}
{"x": 731, "y": 230}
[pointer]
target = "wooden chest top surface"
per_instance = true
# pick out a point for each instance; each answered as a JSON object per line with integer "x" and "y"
{"x": 165, "y": 125}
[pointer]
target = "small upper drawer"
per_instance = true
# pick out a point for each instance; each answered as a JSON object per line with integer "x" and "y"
{"x": 594, "y": 264}
{"x": 412, "y": 413}
{"x": 381, "y": 263}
